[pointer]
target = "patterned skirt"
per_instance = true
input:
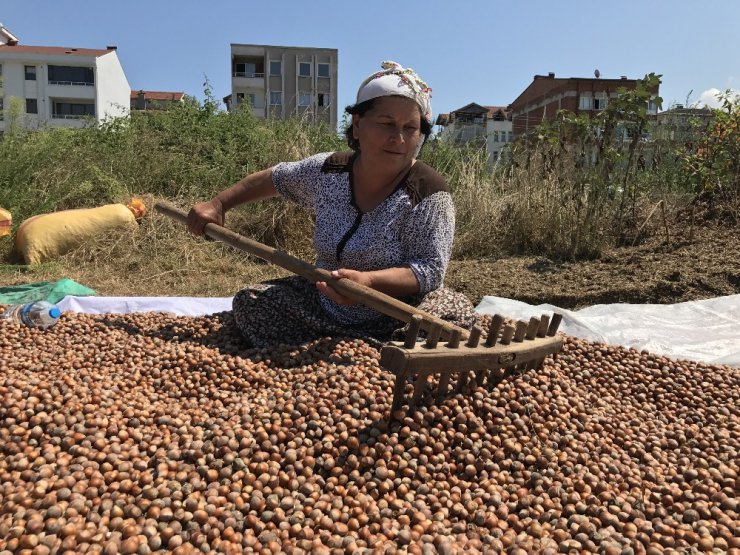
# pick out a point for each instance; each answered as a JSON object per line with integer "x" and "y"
{"x": 288, "y": 311}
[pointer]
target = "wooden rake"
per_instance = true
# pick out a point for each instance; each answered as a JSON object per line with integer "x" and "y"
{"x": 507, "y": 348}
{"x": 522, "y": 346}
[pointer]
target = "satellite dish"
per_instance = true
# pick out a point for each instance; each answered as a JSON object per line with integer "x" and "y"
{"x": 597, "y": 73}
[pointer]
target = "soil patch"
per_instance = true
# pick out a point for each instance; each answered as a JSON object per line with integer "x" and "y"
{"x": 658, "y": 271}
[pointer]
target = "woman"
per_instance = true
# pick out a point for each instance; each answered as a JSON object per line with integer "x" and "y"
{"x": 383, "y": 219}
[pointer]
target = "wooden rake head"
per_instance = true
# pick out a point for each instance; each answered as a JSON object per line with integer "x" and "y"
{"x": 507, "y": 348}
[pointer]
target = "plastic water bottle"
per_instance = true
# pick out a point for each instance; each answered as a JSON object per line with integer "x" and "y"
{"x": 39, "y": 314}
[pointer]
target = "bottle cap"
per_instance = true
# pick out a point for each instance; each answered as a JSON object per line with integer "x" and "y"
{"x": 55, "y": 312}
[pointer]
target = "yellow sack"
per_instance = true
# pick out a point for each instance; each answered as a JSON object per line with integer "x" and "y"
{"x": 47, "y": 236}
{"x": 6, "y": 221}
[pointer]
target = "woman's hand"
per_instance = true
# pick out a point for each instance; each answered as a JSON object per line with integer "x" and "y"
{"x": 363, "y": 278}
{"x": 205, "y": 213}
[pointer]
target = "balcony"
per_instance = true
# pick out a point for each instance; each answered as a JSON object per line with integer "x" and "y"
{"x": 72, "y": 83}
{"x": 71, "y": 89}
{"x": 71, "y": 116}
{"x": 248, "y": 74}
{"x": 75, "y": 76}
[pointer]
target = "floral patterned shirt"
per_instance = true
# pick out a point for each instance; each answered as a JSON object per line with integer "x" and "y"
{"x": 413, "y": 227}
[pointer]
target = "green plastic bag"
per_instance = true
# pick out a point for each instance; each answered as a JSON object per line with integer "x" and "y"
{"x": 52, "y": 291}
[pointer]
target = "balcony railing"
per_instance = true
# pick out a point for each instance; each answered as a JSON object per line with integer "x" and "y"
{"x": 77, "y": 83}
{"x": 247, "y": 74}
{"x": 71, "y": 116}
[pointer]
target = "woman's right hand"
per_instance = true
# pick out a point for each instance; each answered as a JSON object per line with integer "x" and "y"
{"x": 204, "y": 213}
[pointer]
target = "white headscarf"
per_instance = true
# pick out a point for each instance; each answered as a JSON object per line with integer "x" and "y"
{"x": 395, "y": 80}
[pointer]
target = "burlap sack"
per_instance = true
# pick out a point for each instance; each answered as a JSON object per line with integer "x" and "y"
{"x": 47, "y": 236}
{"x": 6, "y": 221}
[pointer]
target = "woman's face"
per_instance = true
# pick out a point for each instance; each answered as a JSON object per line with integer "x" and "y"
{"x": 390, "y": 132}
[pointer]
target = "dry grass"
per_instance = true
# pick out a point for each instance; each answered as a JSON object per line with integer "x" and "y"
{"x": 158, "y": 258}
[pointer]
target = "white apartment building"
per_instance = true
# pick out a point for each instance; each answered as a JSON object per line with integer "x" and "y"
{"x": 479, "y": 126}
{"x": 285, "y": 81}
{"x": 59, "y": 86}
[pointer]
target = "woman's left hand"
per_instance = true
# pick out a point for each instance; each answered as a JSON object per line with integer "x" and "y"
{"x": 363, "y": 278}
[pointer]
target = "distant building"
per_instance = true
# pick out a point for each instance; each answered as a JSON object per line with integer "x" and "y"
{"x": 684, "y": 125}
{"x": 285, "y": 81}
{"x": 60, "y": 86}
{"x": 155, "y": 100}
{"x": 6, "y": 37}
{"x": 547, "y": 95}
{"x": 478, "y": 126}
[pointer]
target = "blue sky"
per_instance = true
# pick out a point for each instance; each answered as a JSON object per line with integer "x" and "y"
{"x": 467, "y": 51}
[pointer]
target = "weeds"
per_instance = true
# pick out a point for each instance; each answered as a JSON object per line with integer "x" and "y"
{"x": 570, "y": 190}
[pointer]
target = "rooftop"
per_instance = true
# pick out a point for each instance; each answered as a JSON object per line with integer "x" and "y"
{"x": 158, "y": 95}
{"x": 54, "y": 50}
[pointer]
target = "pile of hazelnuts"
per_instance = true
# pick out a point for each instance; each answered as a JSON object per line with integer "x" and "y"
{"x": 150, "y": 433}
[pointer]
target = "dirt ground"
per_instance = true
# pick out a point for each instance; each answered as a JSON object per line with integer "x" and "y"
{"x": 681, "y": 269}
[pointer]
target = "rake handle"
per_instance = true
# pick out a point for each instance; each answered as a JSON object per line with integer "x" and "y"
{"x": 371, "y": 298}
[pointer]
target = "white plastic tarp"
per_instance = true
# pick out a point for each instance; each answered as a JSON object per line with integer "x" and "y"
{"x": 181, "y": 306}
{"x": 707, "y": 330}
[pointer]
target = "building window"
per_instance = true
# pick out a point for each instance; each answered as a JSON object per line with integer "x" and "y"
{"x": 1, "y": 108}
{"x": 322, "y": 70}
{"x": 585, "y": 103}
{"x": 652, "y": 107}
{"x": 304, "y": 69}
{"x": 67, "y": 75}
{"x": 276, "y": 67}
{"x": 304, "y": 99}
{"x": 511, "y": 136}
{"x": 32, "y": 106}
{"x": 248, "y": 69}
{"x": 276, "y": 98}
{"x": 239, "y": 98}
{"x": 495, "y": 136}
{"x": 600, "y": 102}
{"x": 30, "y": 73}
{"x": 324, "y": 100}
{"x": 71, "y": 110}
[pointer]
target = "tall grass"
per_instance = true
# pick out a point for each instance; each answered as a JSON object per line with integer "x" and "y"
{"x": 546, "y": 198}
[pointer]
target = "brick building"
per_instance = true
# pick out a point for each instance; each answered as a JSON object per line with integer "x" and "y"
{"x": 155, "y": 100}
{"x": 547, "y": 95}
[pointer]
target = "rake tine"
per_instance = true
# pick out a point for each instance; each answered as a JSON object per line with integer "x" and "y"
{"x": 494, "y": 377}
{"x": 521, "y": 330}
{"x": 454, "y": 341}
{"x": 554, "y": 324}
{"x": 433, "y": 337}
{"x": 462, "y": 381}
{"x": 474, "y": 337}
{"x": 493, "y": 330}
{"x": 532, "y": 329}
{"x": 480, "y": 376}
{"x": 413, "y": 331}
{"x": 507, "y": 335}
{"x": 419, "y": 386}
{"x": 444, "y": 381}
{"x": 544, "y": 322}
{"x": 534, "y": 325}
{"x": 398, "y": 390}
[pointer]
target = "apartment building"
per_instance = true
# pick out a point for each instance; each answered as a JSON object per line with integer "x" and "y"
{"x": 476, "y": 125}
{"x": 60, "y": 86}
{"x": 547, "y": 95}
{"x": 142, "y": 100}
{"x": 682, "y": 125}
{"x": 285, "y": 81}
